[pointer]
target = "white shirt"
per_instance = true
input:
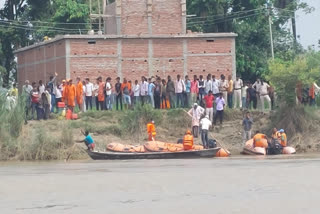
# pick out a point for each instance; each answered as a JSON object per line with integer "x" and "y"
{"x": 108, "y": 88}
{"x": 208, "y": 85}
{"x": 244, "y": 91}
{"x": 224, "y": 85}
{"x": 257, "y": 86}
{"x": 215, "y": 87}
{"x": 180, "y": 86}
{"x": 58, "y": 92}
{"x": 136, "y": 90}
{"x": 89, "y": 89}
{"x": 95, "y": 89}
{"x": 264, "y": 89}
{"x": 196, "y": 113}
{"x": 41, "y": 89}
{"x": 205, "y": 123}
{"x": 144, "y": 88}
{"x": 238, "y": 84}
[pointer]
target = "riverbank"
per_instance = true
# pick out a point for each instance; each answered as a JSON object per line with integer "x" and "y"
{"x": 55, "y": 139}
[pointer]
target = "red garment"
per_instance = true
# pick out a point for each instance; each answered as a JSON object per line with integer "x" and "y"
{"x": 209, "y": 101}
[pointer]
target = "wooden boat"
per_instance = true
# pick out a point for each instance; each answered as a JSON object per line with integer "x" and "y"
{"x": 206, "y": 153}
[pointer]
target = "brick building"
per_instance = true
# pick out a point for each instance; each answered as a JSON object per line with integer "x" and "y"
{"x": 142, "y": 38}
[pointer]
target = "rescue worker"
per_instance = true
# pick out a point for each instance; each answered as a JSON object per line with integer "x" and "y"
{"x": 275, "y": 134}
{"x": 79, "y": 93}
{"x": 71, "y": 95}
{"x": 257, "y": 140}
{"x": 188, "y": 141}
{"x": 283, "y": 138}
{"x": 151, "y": 129}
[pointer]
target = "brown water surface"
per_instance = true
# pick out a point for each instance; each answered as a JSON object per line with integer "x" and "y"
{"x": 244, "y": 185}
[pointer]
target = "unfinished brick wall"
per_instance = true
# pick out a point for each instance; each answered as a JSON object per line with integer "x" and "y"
{"x": 41, "y": 62}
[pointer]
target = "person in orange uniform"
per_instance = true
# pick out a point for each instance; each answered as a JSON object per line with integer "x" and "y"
{"x": 101, "y": 95}
{"x": 283, "y": 138}
{"x": 275, "y": 134}
{"x": 151, "y": 129}
{"x": 257, "y": 140}
{"x": 188, "y": 141}
{"x": 71, "y": 95}
{"x": 79, "y": 93}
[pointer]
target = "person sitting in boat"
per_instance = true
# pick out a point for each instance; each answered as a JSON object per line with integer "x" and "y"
{"x": 283, "y": 138}
{"x": 188, "y": 141}
{"x": 258, "y": 140}
{"x": 88, "y": 140}
{"x": 275, "y": 134}
{"x": 151, "y": 129}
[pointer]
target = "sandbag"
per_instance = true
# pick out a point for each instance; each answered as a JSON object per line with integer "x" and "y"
{"x": 118, "y": 147}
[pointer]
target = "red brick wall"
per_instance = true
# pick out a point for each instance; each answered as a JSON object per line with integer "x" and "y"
{"x": 101, "y": 59}
{"x": 166, "y": 17}
{"x": 134, "y": 17}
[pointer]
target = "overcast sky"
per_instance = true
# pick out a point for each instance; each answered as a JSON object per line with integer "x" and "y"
{"x": 307, "y": 25}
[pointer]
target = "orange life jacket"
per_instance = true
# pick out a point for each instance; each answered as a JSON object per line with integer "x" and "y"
{"x": 258, "y": 141}
{"x": 312, "y": 91}
{"x": 283, "y": 139}
{"x": 187, "y": 142}
{"x": 151, "y": 129}
{"x": 276, "y": 136}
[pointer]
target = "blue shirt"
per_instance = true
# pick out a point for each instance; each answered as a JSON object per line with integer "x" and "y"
{"x": 150, "y": 88}
{"x": 188, "y": 86}
{"x": 89, "y": 139}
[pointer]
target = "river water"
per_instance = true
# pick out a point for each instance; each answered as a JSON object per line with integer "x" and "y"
{"x": 241, "y": 185}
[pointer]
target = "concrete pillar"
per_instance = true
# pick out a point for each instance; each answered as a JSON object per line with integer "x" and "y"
{"x": 233, "y": 53}
{"x": 68, "y": 75}
{"x": 185, "y": 57}
{"x": 184, "y": 16}
{"x": 118, "y": 16}
{"x": 45, "y": 64}
{"x": 149, "y": 15}
{"x": 150, "y": 57}
{"x": 119, "y": 53}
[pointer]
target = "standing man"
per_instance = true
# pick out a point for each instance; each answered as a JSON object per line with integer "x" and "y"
{"x": 209, "y": 104}
{"x": 180, "y": 88}
{"x": 187, "y": 99}
{"x": 244, "y": 96}
{"x": 220, "y": 104}
{"x": 95, "y": 93}
{"x": 118, "y": 94}
{"x": 215, "y": 86}
{"x": 238, "y": 84}
{"x": 194, "y": 89}
{"x": 205, "y": 125}
{"x": 201, "y": 86}
{"x": 108, "y": 94}
{"x": 136, "y": 92}
{"x": 264, "y": 95}
{"x": 143, "y": 90}
{"x": 247, "y": 126}
{"x": 101, "y": 96}
{"x": 157, "y": 93}
{"x": 151, "y": 87}
{"x": 42, "y": 88}
{"x": 126, "y": 90}
{"x": 89, "y": 93}
{"x": 230, "y": 91}
{"x": 251, "y": 97}
{"x": 224, "y": 86}
{"x": 71, "y": 95}
{"x": 79, "y": 93}
{"x": 52, "y": 86}
{"x": 208, "y": 84}
{"x": 257, "y": 86}
{"x": 170, "y": 92}
{"x": 196, "y": 112}
{"x": 26, "y": 90}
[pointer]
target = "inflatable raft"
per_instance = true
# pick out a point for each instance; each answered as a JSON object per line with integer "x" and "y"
{"x": 249, "y": 150}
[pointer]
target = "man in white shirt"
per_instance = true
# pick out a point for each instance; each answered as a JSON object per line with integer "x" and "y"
{"x": 244, "y": 96}
{"x": 205, "y": 125}
{"x": 237, "y": 85}
{"x": 136, "y": 92}
{"x": 144, "y": 90}
{"x": 26, "y": 90}
{"x": 264, "y": 95}
{"x": 95, "y": 94}
{"x": 180, "y": 88}
{"x": 108, "y": 94}
{"x": 256, "y": 86}
{"x": 215, "y": 86}
{"x": 208, "y": 84}
{"x": 224, "y": 85}
{"x": 89, "y": 92}
{"x": 196, "y": 112}
{"x": 41, "y": 87}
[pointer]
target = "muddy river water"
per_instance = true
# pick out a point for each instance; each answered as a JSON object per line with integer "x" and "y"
{"x": 241, "y": 185}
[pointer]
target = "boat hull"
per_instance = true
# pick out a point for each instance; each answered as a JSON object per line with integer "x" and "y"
{"x": 206, "y": 153}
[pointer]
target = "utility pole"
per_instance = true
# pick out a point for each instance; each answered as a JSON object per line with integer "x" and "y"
{"x": 269, "y": 5}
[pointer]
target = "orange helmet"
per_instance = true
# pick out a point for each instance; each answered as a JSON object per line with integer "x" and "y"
{"x": 188, "y": 132}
